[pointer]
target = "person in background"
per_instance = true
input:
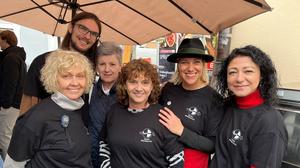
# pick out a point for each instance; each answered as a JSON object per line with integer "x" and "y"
{"x": 108, "y": 67}
{"x": 252, "y": 133}
{"x": 190, "y": 109}
{"x": 1, "y": 162}
{"x": 82, "y": 36}
{"x": 12, "y": 75}
{"x": 52, "y": 133}
{"x": 132, "y": 136}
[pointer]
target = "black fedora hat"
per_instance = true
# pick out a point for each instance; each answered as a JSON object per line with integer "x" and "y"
{"x": 190, "y": 48}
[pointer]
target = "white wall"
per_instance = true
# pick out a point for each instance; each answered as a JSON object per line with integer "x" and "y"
{"x": 142, "y": 52}
{"x": 278, "y": 34}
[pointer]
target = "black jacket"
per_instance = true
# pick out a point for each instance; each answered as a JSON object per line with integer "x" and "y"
{"x": 99, "y": 106}
{"x": 12, "y": 75}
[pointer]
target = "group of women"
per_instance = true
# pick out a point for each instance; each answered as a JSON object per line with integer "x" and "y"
{"x": 180, "y": 125}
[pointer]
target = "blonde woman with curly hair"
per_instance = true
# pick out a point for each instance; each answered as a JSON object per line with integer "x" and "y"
{"x": 52, "y": 133}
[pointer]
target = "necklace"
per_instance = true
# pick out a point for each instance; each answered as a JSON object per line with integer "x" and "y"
{"x": 135, "y": 110}
{"x": 138, "y": 110}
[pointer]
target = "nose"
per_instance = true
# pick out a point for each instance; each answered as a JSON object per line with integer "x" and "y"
{"x": 240, "y": 77}
{"x": 74, "y": 80}
{"x": 106, "y": 68}
{"x": 138, "y": 86}
{"x": 190, "y": 67}
{"x": 88, "y": 35}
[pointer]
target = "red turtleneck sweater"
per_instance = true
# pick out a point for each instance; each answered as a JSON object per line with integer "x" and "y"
{"x": 252, "y": 100}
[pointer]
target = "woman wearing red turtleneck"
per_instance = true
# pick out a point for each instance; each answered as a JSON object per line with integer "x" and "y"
{"x": 252, "y": 133}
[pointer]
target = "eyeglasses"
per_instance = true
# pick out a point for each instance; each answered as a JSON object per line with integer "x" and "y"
{"x": 84, "y": 30}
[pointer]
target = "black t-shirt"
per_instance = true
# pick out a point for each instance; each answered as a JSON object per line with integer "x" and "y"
{"x": 250, "y": 137}
{"x": 33, "y": 85}
{"x": 197, "y": 109}
{"x": 39, "y": 137}
{"x": 138, "y": 140}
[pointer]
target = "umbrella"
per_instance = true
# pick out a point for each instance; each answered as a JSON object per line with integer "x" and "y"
{"x": 134, "y": 21}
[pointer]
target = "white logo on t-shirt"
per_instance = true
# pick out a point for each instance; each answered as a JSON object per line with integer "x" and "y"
{"x": 147, "y": 134}
{"x": 192, "y": 112}
{"x": 236, "y": 136}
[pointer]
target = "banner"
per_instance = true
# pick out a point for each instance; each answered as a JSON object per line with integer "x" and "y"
{"x": 167, "y": 47}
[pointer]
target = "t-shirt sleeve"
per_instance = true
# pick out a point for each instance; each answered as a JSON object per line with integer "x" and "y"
{"x": 173, "y": 150}
{"x": 267, "y": 151}
{"x": 23, "y": 143}
{"x": 33, "y": 85}
{"x": 214, "y": 117}
{"x": 268, "y": 147}
{"x": 196, "y": 141}
{"x": 163, "y": 94}
{"x": 104, "y": 150}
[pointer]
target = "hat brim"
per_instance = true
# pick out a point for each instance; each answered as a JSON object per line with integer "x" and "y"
{"x": 174, "y": 57}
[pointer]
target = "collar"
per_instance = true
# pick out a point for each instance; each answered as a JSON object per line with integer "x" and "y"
{"x": 100, "y": 91}
{"x": 106, "y": 92}
{"x": 252, "y": 100}
{"x": 135, "y": 110}
{"x": 132, "y": 110}
{"x": 66, "y": 103}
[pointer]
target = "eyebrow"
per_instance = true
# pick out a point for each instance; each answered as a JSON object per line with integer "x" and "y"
{"x": 252, "y": 67}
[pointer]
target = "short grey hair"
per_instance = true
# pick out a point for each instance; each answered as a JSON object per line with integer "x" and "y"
{"x": 109, "y": 48}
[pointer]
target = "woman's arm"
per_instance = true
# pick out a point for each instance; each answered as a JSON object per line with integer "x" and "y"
{"x": 267, "y": 151}
{"x": 176, "y": 160}
{"x": 186, "y": 136}
{"x": 104, "y": 154}
{"x": 104, "y": 150}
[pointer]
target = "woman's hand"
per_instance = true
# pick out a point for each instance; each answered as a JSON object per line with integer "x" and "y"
{"x": 170, "y": 121}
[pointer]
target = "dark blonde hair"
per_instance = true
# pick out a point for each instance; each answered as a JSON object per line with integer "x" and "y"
{"x": 61, "y": 60}
{"x": 134, "y": 69}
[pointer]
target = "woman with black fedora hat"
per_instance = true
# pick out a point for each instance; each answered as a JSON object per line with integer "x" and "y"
{"x": 191, "y": 111}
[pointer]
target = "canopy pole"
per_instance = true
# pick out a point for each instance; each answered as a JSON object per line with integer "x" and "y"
{"x": 74, "y": 6}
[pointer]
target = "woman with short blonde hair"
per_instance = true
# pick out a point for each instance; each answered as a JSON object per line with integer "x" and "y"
{"x": 62, "y": 60}
{"x": 52, "y": 133}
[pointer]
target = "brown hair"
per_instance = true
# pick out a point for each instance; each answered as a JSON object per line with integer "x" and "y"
{"x": 9, "y": 37}
{"x": 90, "y": 53}
{"x": 132, "y": 70}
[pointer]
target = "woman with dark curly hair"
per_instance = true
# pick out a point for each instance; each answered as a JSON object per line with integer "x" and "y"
{"x": 252, "y": 133}
{"x": 132, "y": 135}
